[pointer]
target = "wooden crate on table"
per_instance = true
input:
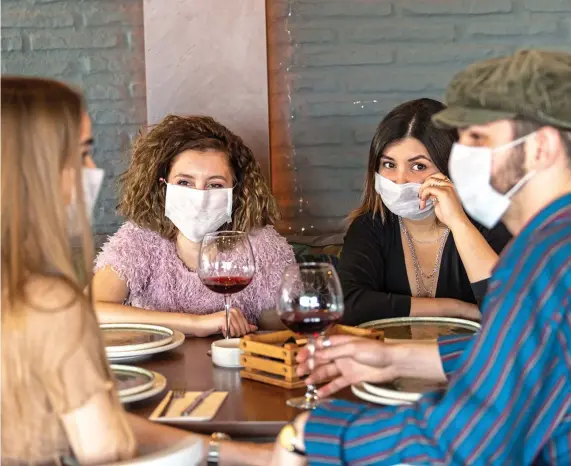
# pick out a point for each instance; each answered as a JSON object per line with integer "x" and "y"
{"x": 268, "y": 358}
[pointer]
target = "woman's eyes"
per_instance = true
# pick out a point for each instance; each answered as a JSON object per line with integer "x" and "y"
{"x": 417, "y": 167}
{"x": 189, "y": 185}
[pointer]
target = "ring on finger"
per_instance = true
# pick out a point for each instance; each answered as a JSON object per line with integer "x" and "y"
{"x": 325, "y": 342}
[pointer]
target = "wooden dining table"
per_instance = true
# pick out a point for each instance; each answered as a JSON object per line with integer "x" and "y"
{"x": 251, "y": 410}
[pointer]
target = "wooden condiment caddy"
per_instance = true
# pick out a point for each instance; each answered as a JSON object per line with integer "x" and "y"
{"x": 270, "y": 358}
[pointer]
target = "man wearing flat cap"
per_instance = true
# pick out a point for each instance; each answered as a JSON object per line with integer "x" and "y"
{"x": 508, "y": 400}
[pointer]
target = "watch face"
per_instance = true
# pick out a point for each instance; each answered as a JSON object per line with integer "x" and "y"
{"x": 287, "y": 439}
{"x": 287, "y": 436}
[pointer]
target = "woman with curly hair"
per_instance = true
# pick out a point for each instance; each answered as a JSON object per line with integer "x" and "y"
{"x": 146, "y": 272}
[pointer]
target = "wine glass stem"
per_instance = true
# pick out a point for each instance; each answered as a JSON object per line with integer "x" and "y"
{"x": 227, "y": 309}
{"x": 311, "y": 393}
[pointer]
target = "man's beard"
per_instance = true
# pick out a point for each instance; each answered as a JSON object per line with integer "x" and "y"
{"x": 512, "y": 170}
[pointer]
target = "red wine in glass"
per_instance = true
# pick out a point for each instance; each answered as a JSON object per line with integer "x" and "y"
{"x": 310, "y": 323}
{"x": 226, "y": 265}
{"x": 310, "y": 300}
{"x": 226, "y": 285}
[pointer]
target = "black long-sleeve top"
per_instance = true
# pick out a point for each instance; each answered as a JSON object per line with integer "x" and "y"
{"x": 373, "y": 273}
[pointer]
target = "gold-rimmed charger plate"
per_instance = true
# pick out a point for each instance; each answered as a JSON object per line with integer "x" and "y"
{"x": 159, "y": 385}
{"x": 139, "y": 355}
{"x": 420, "y": 329}
{"x": 134, "y": 337}
{"x": 130, "y": 380}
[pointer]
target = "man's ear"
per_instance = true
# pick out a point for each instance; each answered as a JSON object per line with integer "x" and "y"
{"x": 545, "y": 149}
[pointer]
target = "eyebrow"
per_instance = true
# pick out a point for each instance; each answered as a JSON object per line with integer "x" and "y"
{"x": 191, "y": 177}
{"x": 418, "y": 157}
{"x": 412, "y": 159}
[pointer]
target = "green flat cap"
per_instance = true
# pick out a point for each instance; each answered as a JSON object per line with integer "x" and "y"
{"x": 532, "y": 85}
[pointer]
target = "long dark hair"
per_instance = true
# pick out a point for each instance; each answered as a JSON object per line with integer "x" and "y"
{"x": 410, "y": 119}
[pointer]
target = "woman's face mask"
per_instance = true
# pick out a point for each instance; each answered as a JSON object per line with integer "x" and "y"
{"x": 402, "y": 199}
{"x": 92, "y": 179}
{"x": 196, "y": 212}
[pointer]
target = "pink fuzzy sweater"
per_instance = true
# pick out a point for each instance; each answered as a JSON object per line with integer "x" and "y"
{"x": 157, "y": 279}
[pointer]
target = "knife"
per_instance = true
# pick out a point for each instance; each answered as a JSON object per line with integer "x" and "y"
{"x": 197, "y": 402}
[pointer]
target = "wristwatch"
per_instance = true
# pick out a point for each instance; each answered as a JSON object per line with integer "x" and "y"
{"x": 287, "y": 439}
{"x": 213, "y": 457}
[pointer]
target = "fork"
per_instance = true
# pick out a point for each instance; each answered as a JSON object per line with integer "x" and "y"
{"x": 177, "y": 394}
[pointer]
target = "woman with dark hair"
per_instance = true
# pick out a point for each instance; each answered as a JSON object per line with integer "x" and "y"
{"x": 410, "y": 249}
{"x": 146, "y": 272}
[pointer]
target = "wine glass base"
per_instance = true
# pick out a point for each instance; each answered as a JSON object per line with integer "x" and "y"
{"x": 302, "y": 402}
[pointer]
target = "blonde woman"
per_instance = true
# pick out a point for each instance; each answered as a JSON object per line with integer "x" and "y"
{"x": 58, "y": 399}
{"x": 147, "y": 271}
{"x": 58, "y": 396}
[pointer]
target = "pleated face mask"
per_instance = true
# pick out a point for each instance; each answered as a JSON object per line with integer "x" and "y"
{"x": 196, "y": 212}
{"x": 402, "y": 199}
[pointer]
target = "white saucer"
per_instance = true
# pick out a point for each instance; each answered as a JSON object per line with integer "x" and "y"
{"x": 360, "y": 391}
{"x": 159, "y": 384}
{"x": 138, "y": 355}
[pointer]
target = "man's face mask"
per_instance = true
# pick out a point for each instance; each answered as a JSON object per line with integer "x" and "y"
{"x": 471, "y": 173}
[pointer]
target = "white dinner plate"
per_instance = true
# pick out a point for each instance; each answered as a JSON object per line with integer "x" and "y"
{"x": 404, "y": 389}
{"x": 138, "y": 355}
{"x": 385, "y": 392}
{"x": 134, "y": 337}
{"x": 361, "y": 392}
{"x": 130, "y": 379}
{"x": 159, "y": 384}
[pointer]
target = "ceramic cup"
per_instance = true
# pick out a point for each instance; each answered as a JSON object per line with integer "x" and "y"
{"x": 226, "y": 353}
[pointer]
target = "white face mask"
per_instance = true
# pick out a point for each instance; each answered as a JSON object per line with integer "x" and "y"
{"x": 471, "y": 173}
{"x": 91, "y": 180}
{"x": 196, "y": 212}
{"x": 402, "y": 199}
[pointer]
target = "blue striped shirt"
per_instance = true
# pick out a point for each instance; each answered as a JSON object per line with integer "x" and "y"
{"x": 509, "y": 396}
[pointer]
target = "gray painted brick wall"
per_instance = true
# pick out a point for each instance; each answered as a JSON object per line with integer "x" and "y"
{"x": 98, "y": 46}
{"x": 351, "y": 61}
{"x": 347, "y": 63}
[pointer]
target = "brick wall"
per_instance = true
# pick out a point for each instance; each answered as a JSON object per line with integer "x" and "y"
{"x": 350, "y": 61}
{"x": 98, "y": 46}
{"x": 336, "y": 67}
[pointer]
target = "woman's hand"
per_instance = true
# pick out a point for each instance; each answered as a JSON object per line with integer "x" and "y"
{"x": 348, "y": 360}
{"x": 211, "y": 324}
{"x": 447, "y": 205}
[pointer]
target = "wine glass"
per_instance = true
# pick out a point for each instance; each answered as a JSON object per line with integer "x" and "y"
{"x": 310, "y": 300}
{"x": 226, "y": 265}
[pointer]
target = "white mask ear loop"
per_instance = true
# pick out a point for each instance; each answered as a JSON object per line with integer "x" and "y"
{"x": 513, "y": 191}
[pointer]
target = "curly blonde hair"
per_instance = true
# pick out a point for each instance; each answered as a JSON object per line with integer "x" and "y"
{"x": 143, "y": 196}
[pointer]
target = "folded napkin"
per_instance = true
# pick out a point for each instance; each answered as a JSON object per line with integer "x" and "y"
{"x": 205, "y": 411}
